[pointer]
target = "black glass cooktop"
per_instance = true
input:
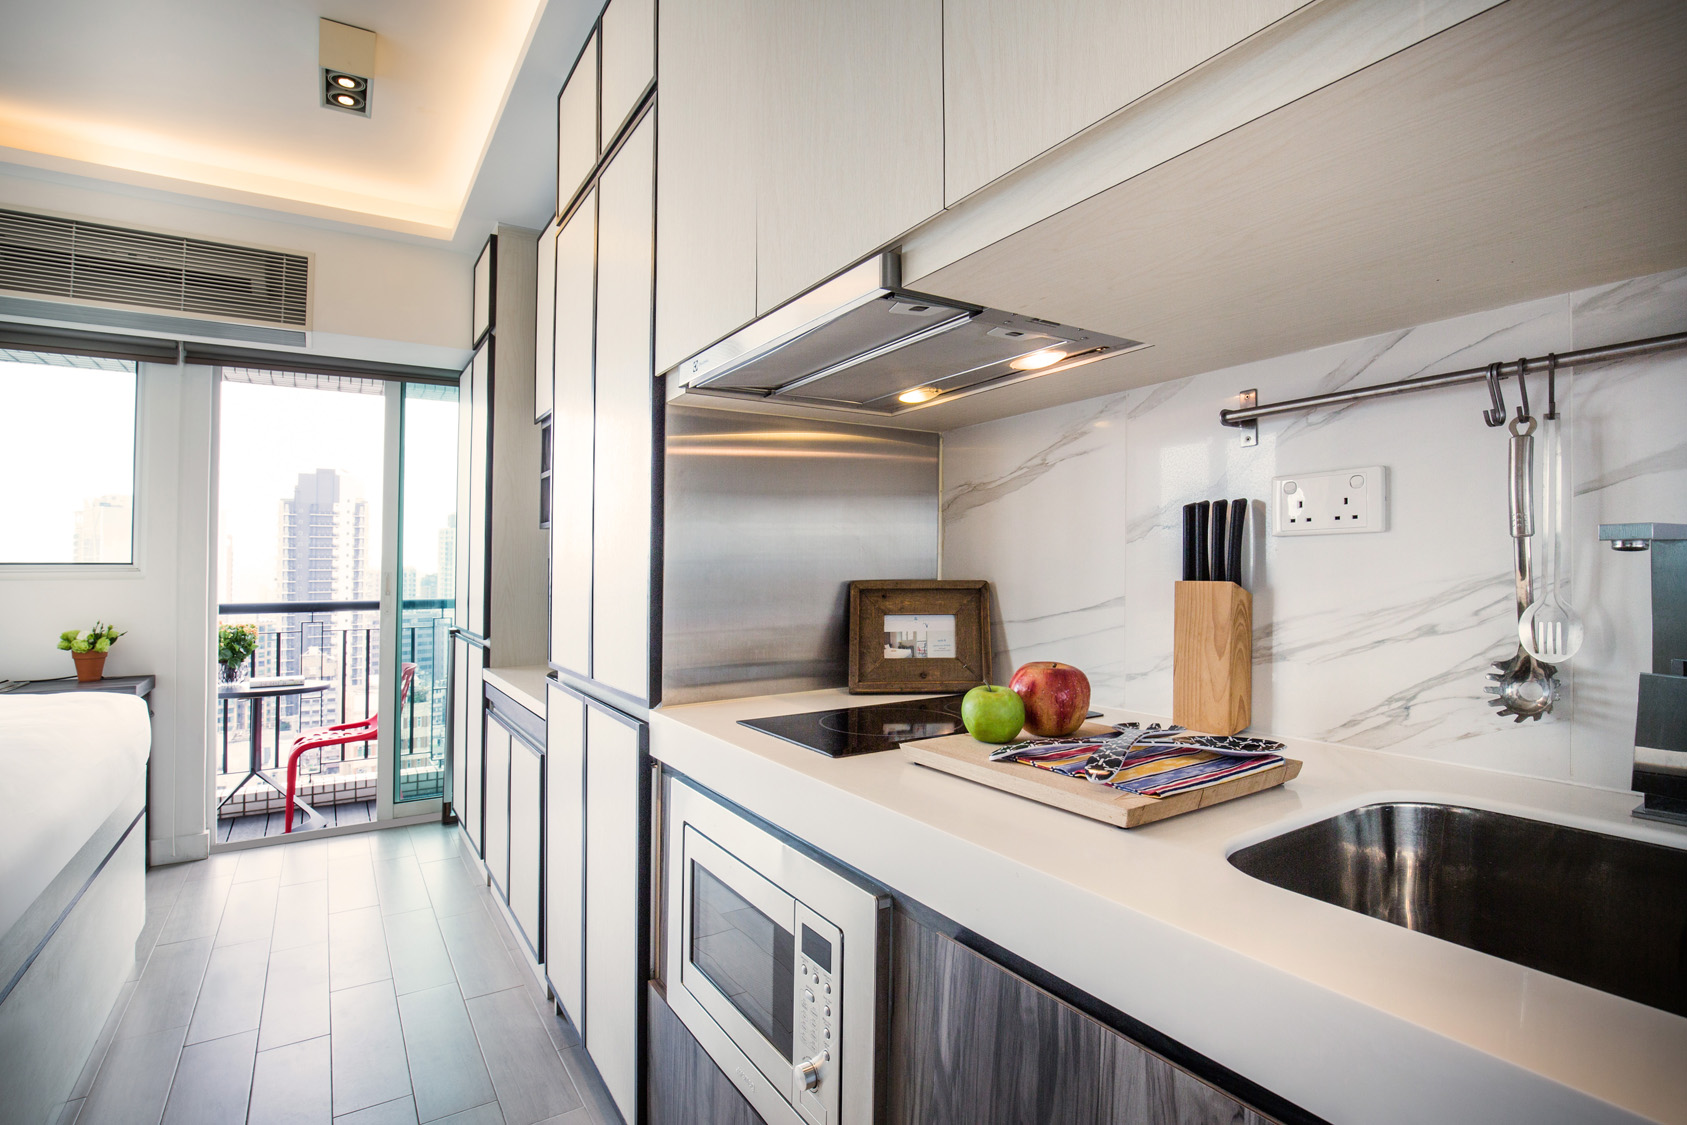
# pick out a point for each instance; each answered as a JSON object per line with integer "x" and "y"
{"x": 844, "y": 731}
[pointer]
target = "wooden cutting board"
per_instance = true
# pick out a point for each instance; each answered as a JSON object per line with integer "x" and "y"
{"x": 965, "y": 756}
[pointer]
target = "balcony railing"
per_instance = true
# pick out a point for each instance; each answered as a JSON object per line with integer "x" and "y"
{"x": 339, "y": 642}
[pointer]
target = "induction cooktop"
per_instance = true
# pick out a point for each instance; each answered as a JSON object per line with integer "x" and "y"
{"x": 845, "y": 731}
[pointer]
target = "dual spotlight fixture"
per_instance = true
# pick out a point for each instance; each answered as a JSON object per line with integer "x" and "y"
{"x": 347, "y": 58}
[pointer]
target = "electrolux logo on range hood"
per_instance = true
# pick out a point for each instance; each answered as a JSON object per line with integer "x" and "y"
{"x": 861, "y": 342}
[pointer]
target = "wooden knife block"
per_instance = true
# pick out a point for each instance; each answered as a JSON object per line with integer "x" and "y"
{"x": 1212, "y": 657}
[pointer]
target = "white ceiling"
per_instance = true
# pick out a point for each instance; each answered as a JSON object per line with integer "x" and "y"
{"x": 218, "y": 99}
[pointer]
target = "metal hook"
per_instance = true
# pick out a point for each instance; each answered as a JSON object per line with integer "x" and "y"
{"x": 1496, "y": 416}
{"x": 1523, "y": 389}
{"x": 1552, "y": 386}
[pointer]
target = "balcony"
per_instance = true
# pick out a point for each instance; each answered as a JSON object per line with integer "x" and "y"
{"x": 333, "y": 648}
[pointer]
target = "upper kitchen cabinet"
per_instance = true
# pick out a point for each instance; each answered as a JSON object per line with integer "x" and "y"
{"x": 481, "y": 317}
{"x": 544, "y": 333}
{"x": 577, "y": 139}
{"x": 625, "y": 568}
{"x": 628, "y": 33}
{"x": 572, "y": 425}
{"x": 1020, "y": 78}
{"x": 705, "y": 181}
{"x": 851, "y": 153}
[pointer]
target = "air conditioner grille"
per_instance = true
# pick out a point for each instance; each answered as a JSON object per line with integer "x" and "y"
{"x": 68, "y": 258}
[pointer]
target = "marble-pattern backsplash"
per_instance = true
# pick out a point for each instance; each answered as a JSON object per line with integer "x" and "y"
{"x": 1378, "y": 640}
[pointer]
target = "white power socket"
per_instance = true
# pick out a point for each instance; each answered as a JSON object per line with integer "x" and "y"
{"x": 1340, "y": 502}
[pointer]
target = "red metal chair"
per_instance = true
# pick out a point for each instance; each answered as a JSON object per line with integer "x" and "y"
{"x": 364, "y": 730}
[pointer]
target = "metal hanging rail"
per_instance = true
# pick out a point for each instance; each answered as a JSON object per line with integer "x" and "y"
{"x": 1247, "y": 416}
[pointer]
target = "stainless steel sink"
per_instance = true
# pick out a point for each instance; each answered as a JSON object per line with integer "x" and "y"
{"x": 1604, "y": 911}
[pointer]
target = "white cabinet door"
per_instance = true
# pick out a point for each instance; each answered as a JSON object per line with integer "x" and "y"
{"x": 469, "y": 741}
{"x": 629, "y": 59}
{"x": 484, "y": 266}
{"x": 526, "y": 824}
{"x": 1020, "y": 78}
{"x": 474, "y": 525}
{"x": 852, "y": 155}
{"x": 576, "y": 127}
{"x": 572, "y": 427}
{"x": 565, "y": 849}
{"x": 496, "y": 834}
{"x": 624, "y": 445}
{"x": 544, "y": 333}
{"x": 615, "y": 968}
{"x": 705, "y": 178}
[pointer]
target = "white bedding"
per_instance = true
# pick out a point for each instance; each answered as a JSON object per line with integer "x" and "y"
{"x": 66, "y": 762}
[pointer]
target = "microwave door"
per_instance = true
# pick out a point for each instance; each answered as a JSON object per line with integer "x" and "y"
{"x": 738, "y": 957}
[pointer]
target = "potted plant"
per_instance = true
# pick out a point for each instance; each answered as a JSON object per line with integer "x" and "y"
{"x": 235, "y": 643}
{"x": 89, "y": 649}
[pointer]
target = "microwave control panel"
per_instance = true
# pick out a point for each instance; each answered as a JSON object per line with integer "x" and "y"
{"x": 819, "y": 1016}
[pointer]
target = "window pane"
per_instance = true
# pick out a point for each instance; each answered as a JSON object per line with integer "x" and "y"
{"x": 67, "y": 453}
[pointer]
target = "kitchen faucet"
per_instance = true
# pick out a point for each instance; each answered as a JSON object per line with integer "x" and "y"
{"x": 1660, "y": 723}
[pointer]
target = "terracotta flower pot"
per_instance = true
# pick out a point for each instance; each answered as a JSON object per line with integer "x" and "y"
{"x": 90, "y": 666}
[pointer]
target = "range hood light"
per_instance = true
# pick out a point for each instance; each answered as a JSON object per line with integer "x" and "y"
{"x": 918, "y": 395}
{"x": 1036, "y": 361}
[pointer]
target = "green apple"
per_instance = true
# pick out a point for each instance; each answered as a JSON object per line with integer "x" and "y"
{"x": 993, "y": 713}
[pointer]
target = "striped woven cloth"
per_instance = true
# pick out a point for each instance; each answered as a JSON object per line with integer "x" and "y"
{"x": 1156, "y": 762}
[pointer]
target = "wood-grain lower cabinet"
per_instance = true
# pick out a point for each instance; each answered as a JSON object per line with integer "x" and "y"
{"x": 686, "y": 1087}
{"x": 975, "y": 1044}
{"x": 468, "y": 736}
{"x": 495, "y": 836}
{"x": 565, "y": 849}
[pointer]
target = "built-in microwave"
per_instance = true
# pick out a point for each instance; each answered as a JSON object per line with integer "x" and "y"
{"x": 774, "y": 962}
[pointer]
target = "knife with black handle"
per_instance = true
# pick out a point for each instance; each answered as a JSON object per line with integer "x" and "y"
{"x": 1203, "y": 559}
{"x": 1233, "y": 556}
{"x": 1189, "y": 518}
{"x": 1219, "y": 511}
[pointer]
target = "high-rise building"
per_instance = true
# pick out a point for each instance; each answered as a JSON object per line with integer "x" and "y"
{"x": 448, "y": 558}
{"x": 104, "y": 530}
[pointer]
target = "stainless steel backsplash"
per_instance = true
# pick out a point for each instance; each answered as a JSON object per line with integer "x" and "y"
{"x": 768, "y": 520}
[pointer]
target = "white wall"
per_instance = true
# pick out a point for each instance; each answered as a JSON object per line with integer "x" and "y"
{"x": 1381, "y": 640}
{"x": 163, "y": 601}
{"x": 373, "y": 296}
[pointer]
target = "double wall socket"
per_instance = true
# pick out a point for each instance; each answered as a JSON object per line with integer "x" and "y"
{"x": 1340, "y": 502}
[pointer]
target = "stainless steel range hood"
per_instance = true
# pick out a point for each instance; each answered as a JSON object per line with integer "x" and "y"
{"x": 861, "y": 342}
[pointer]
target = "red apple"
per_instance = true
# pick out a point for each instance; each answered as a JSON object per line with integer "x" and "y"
{"x": 1056, "y": 697}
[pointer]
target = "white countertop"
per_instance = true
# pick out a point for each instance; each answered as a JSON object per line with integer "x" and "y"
{"x": 523, "y": 683}
{"x": 1352, "y": 1018}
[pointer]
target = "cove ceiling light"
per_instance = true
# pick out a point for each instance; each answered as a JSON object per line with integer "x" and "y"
{"x": 346, "y": 55}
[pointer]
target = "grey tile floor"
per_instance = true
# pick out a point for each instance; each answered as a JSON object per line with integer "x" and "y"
{"x": 359, "y": 980}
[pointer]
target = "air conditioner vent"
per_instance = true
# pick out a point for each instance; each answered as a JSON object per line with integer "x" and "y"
{"x": 81, "y": 261}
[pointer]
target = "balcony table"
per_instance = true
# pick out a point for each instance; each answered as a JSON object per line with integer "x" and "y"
{"x": 245, "y": 690}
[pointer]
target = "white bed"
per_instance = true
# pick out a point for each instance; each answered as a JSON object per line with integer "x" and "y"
{"x": 72, "y": 883}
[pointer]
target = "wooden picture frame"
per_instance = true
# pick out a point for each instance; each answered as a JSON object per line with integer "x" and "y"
{"x": 948, "y": 654}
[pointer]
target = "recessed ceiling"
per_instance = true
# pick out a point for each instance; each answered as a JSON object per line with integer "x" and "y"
{"x": 220, "y": 99}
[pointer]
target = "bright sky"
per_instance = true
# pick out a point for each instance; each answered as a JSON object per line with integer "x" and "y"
{"x": 67, "y": 435}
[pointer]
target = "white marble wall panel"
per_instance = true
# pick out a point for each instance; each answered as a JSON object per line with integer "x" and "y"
{"x": 1379, "y": 640}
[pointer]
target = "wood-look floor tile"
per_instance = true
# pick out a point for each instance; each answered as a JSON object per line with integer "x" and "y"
{"x": 342, "y": 846}
{"x": 198, "y": 909}
{"x": 563, "y": 1034}
{"x": 588, "y": 1083}
{"x": 450, "y": 887}
{"x": 295, "y": 996}
{"x": 134, "y": 1081}
{"x": 530, "y": 1078}
{"x": 291, "y": 1085}
{"x": 68, "y": 1112}
{"x": 301, "y": 914}
{"x": 103, "y": 1044}
{"x": 389, "y": 843}
{"x": 357, "y": 948}
{"x": 232, "y": 993}
{"x": 447, "y": 1074}
{"x": 304, "y": 861}
{"x": 417, "y": 952}
{"x": 488, "y": 1114}
{"x": 259, "y": 863}
{"x": 399, "y": 884}
{"x": 434, "y": 841}
{"x": 478, "y": 955}
{"x": 399, "y": 1111}
{"x": 165, "y": 994}
{"x": 367, "y": 1045}
{"x": 351, "y": 883}
{"x": 249, "y": 912}
{"x": 213, "y": 1081}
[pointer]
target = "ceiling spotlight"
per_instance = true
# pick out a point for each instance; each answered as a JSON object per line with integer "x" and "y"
{"x": 346, "y": 55}
{"x": 1036, "y": 361}
{"x": 918, "y": 395}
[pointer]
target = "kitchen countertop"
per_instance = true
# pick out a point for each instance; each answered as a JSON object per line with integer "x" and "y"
{"x": 1352, "y": 1018}
{"x": 523, "y": 683}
